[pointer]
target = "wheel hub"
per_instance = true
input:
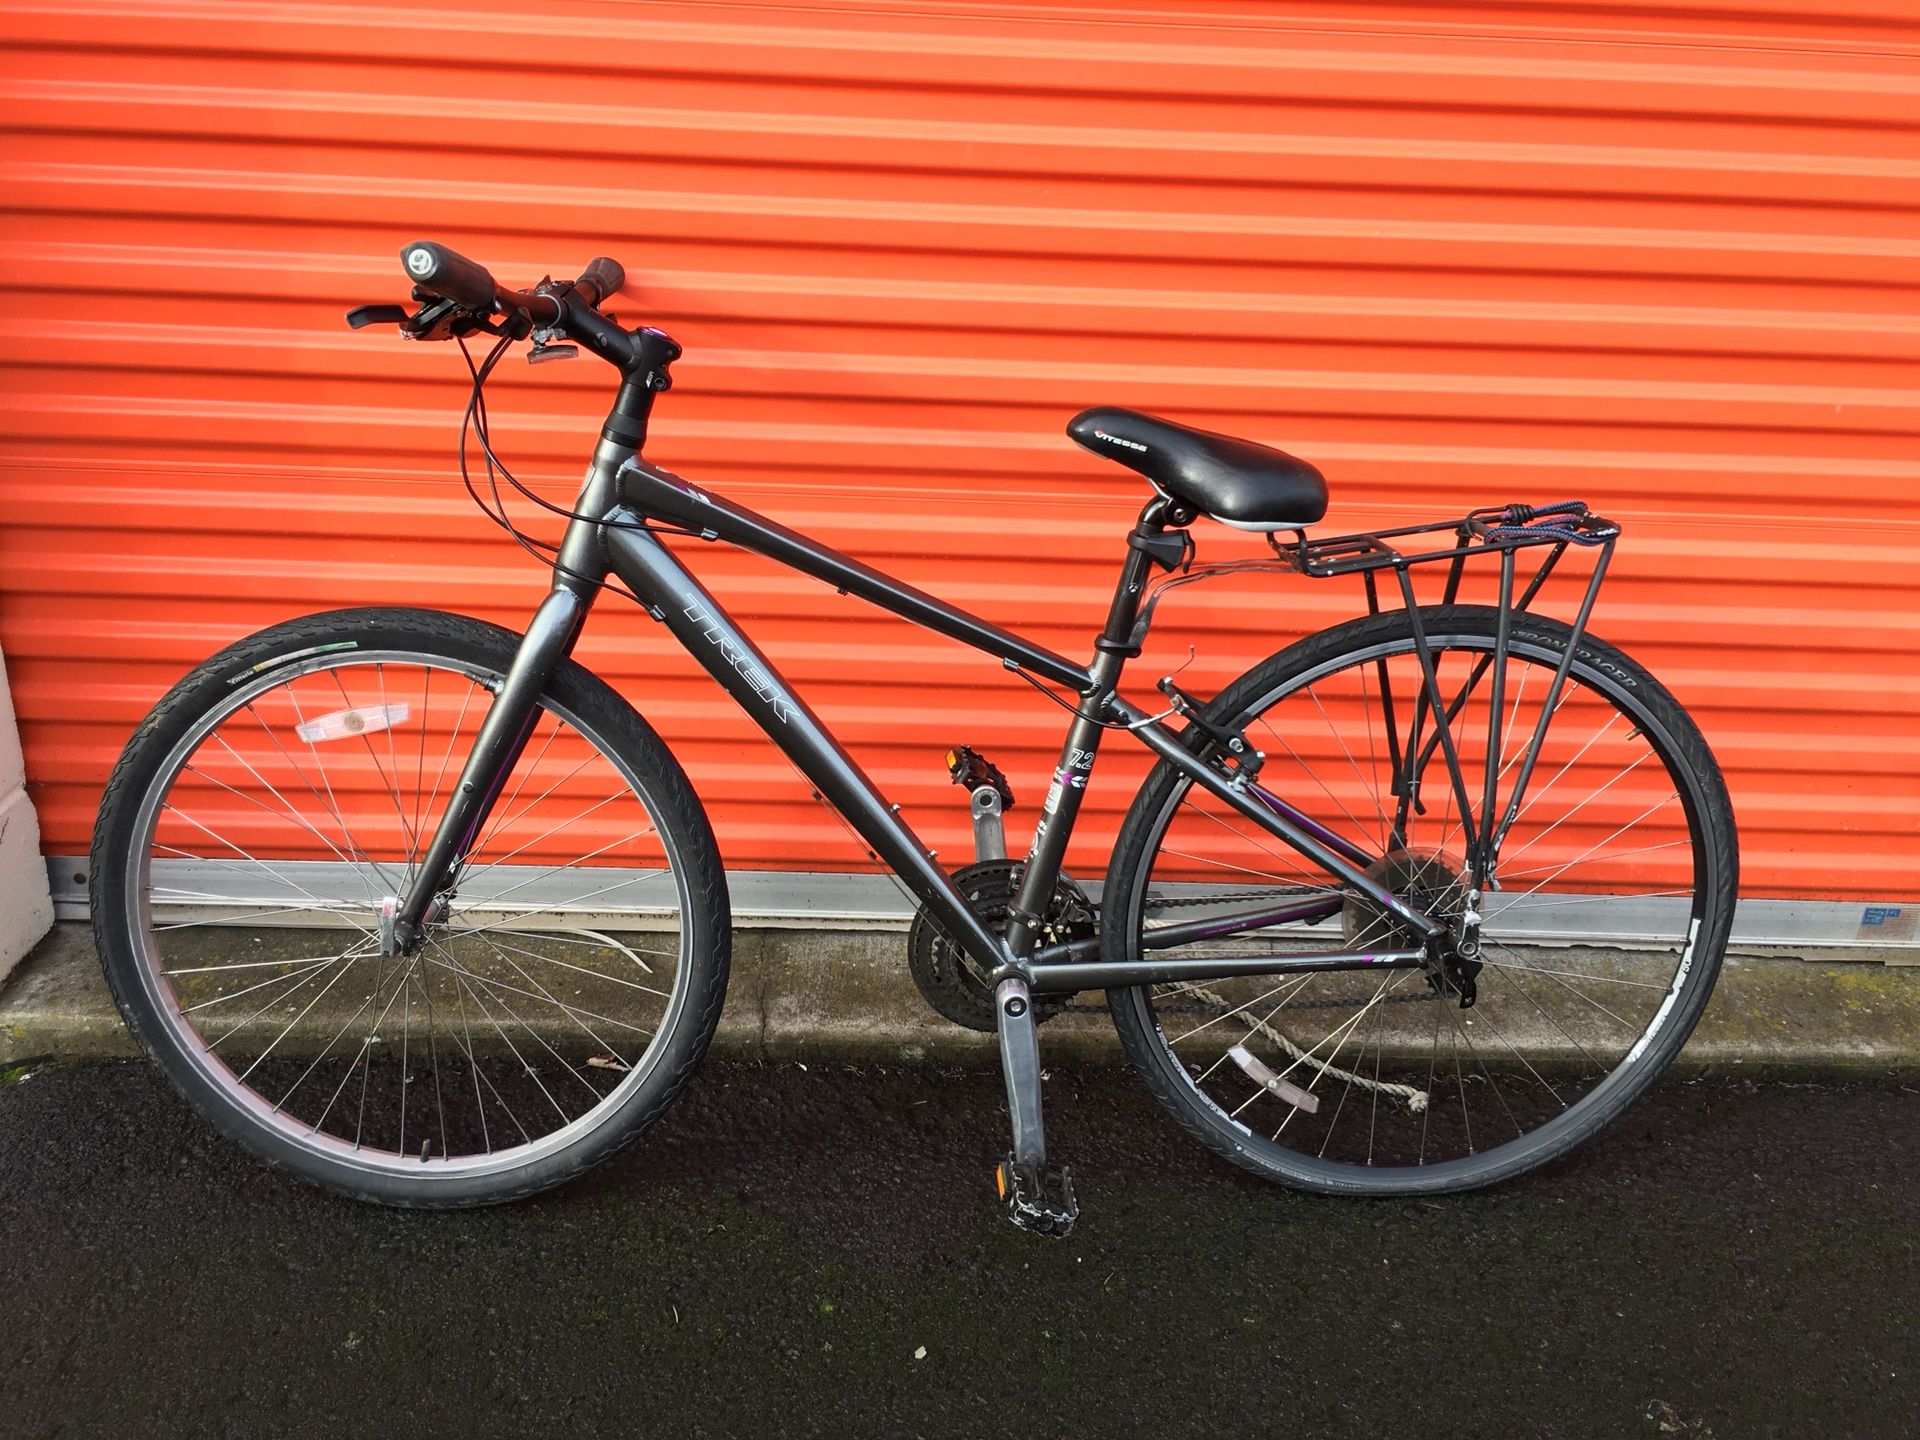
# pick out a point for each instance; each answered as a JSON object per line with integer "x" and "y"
{"x": 392, "y": 942}
{"x": 1435, "y": 883}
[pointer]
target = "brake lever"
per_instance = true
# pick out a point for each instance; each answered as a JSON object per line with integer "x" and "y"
{"x": 446, "y": 320}
{"x": 549, "y": 344}
{"x": 362, "y": 316}
{"x": 439, "y": 319}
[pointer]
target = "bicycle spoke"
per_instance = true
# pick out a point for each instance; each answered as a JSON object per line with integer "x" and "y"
{"x": 495, "y": 898}
{"x": 259, "y": 865}
{"x": 354, "y": 853}
{"x": 571, "y": 1012}
{"x": 585, "y": 1029}
{"x": 1518, "y": 1055}
{"x": 308, "y": 965}
{"x": 333, "y": 800}
{"x": 501, "y": 985}
{"x": 497, "y": 943}
{"x": 1574, "y": 974}
{"x": 373, "y": 1030}
{"x": 305, "y": 1011}
{"x": 527, "y": 769}
{"x": 432, "y": 808}
{"x": 1313, "y": 775}
{"x": 1551, "y": 975}
{"x": 1590, "y": 849}
{"x": 464, "y": 975}
{"x": 373, "y": 756}
{"x": 433, "y": 1060}
{"x": 252, "y": 917}
{"x": 292, "y": 816}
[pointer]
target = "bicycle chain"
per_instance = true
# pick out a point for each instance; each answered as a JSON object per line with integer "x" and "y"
{"x": 1198, "y": 1009}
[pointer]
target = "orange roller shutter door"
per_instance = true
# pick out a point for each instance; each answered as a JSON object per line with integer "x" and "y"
{"x": 1659, "y": 257}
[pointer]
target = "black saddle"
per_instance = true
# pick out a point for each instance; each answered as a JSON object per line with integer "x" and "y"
{"x": 1235, "y": 481}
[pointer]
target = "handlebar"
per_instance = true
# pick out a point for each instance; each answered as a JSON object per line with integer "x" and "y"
{"x": 452, "y": 276}
{"x": 459, "y": 297}
{"x": 463, "y": 297}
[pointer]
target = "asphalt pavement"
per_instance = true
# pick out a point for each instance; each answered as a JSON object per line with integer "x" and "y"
{"x": 799, "y": 1252}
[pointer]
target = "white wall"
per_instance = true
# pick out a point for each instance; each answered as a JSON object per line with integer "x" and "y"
{"x": 25, "y": 907}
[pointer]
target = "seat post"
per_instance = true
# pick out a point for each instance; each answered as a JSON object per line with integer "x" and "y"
{"x": 1147, "y": 544}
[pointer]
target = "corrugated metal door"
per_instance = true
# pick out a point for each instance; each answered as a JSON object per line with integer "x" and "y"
{"x": 1661, "y": 257}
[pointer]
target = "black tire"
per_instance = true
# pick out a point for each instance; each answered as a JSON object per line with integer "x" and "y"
{"x": 1301, "y": 672}
{"x": 631, "y": 751}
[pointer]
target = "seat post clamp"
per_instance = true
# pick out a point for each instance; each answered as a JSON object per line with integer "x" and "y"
{"x": 1169, "y": 549}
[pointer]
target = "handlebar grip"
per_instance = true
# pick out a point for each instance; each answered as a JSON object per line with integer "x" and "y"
{"x": 600, "y": 280}
{"x": 449, "y": 274}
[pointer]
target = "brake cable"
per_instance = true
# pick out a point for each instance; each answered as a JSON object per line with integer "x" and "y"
{"x": 475, "y": 419}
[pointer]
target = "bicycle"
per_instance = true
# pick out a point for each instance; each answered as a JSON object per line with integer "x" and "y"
{"x": 1420, "y": 973}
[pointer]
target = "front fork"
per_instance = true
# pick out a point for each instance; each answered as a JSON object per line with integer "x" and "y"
{"x": 580, "y": 567}
{"x": 496, "y": 750}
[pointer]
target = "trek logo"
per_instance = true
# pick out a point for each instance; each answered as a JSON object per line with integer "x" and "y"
{"x": 762, "y": 684}
{"x": 1116, "y": 440}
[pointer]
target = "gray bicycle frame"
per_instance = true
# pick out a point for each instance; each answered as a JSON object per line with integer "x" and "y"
{"x": 623, "y": 509}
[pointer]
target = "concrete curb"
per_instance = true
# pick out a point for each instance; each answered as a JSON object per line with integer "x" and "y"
{"x": 845, "y": 995}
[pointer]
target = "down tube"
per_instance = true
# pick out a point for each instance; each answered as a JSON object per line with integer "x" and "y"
{"x": 696, "y": 619}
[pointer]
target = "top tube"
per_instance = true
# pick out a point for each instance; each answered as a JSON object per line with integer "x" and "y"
{"x": 658, "y": 494}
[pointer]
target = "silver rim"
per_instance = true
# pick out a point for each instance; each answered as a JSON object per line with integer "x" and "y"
{"x": 1591, "y": 939}
{"x": 261, "y": 858}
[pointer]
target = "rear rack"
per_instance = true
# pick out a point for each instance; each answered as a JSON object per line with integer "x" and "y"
{"x": 1502, "y": 530}
{"x": 1491, "y": 530}
{"x": 1494, "y": 527}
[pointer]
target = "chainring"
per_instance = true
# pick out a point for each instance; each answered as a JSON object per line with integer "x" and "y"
{"x": 951, "y": 980}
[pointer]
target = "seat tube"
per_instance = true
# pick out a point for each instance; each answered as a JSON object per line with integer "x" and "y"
{"x": 1069, "y": 785}
{"x": 1051, "y": 833}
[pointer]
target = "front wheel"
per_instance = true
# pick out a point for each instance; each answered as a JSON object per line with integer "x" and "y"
{"x": 280, "y": 797}
{"x": 1602, "y": 925}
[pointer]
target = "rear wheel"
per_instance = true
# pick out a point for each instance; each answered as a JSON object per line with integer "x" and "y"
{"x": 282, "y": 794}
{"x": 1603, "y": 922}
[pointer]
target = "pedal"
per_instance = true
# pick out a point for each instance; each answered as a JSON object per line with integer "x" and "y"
{"x": 970, "y": 768}
{"x": 1037, "y": 1199}
{"x": 989, "y": 798}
